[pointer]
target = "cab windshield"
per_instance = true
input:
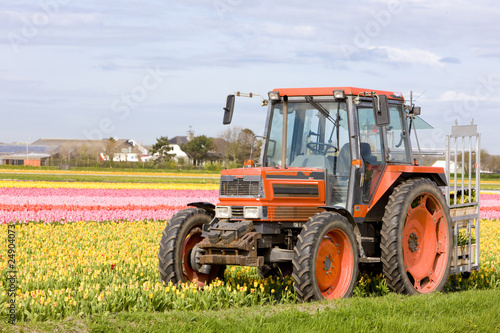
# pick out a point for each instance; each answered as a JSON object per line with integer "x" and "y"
{"x": 317, "y": 136}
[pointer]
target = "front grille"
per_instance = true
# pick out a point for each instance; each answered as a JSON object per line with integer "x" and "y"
{"x": 237, "y": 211}
{"x": 293, "y": 213}
{"x": 232, "y": 186}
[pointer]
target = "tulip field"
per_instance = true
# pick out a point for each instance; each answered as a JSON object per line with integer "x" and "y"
{"x": 91, "y": 248}
{"x": 49, "y": 202}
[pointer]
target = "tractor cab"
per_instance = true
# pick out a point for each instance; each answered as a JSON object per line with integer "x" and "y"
{"x": 346, "y": 133}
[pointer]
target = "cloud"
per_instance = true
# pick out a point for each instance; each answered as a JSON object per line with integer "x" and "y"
{"x": 480, "y": 94}
{"x": 411, "y": 56}
{"x": 39, "y": 18}
{"x": 395, "y": 56}
{"x": 454, "y": 96}
{"x": 288, "y": 31}
{"x": 450, "y": 60}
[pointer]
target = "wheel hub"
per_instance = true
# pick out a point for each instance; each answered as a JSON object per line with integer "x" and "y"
{"x": 195, "y": 255}
{"x": 412, "y": 242}
{"x": 327, "y": 263}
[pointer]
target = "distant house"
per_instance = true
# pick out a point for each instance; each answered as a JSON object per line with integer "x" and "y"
{"x": 129, "y": 151}
{"x": 176, "y": 142}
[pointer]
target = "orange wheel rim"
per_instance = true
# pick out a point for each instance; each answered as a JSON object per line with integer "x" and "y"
{"x": 334, "y": 264}
{"x": 193, "y": 238}
{"x": 425, "y": 243}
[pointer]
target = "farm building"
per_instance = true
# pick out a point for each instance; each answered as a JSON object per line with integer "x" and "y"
{"x": 26, "y": 154}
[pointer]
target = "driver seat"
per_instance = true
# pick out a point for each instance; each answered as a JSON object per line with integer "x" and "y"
{"x": 344, "y": 161}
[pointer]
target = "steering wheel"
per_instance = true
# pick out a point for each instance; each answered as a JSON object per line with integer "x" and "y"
{"x": 320, "y": 147}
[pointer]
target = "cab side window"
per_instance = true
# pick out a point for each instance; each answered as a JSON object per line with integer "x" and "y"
{"x": 397, "y": 146}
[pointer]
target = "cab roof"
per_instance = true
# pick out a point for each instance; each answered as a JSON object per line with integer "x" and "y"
{"x": 328, "y": 91}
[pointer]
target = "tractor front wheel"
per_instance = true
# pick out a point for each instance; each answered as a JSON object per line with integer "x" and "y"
{"x": 179, "y": 238}
{"x": 326, "y": 259}
{"x": 416, "y": 239}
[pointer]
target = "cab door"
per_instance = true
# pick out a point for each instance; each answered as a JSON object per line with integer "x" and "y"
{"x": 371, "y": 151}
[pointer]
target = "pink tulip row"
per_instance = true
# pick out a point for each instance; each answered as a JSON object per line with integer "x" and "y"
{"x": 490, "y": 206}
{"x": 66, "y": 205}
{"x": 490, "y": 200}
{"x": 103, "y": 197}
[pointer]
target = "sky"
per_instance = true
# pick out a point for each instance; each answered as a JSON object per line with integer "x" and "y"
{"x": 144, "y": 69}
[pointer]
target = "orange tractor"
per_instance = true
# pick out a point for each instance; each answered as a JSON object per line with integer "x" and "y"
{"x": 337, "y": 187}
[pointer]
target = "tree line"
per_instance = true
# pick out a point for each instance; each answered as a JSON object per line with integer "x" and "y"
{"x": 489, "y": 163}
{"x": 229, "y": 149}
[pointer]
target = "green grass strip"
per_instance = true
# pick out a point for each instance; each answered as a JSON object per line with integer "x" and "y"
{"x": 470, "y": 311}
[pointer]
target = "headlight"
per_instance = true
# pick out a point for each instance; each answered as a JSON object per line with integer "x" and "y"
{"x": 339, "y": 94}
{"x": 252, "y": 212}
{"x": 274, "y": 95}
{"x": 223, "y": 212}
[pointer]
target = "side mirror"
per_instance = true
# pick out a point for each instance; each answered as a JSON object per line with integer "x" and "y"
{"x": 381, "y": 110}
{"x": 415, "y": 110}
{"x": 228, "y": 110}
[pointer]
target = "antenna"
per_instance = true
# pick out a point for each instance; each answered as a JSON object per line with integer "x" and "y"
{"x": 421, "y": 95}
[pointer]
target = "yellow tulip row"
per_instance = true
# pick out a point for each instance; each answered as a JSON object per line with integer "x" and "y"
{"x": 114, "y": 173}
{"x": 490, "y": 244}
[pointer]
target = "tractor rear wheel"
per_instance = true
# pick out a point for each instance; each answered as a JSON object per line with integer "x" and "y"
{"x": 416, "y": 239}
{"x": 326, "y": 259}
{"x": 179, "y": 238}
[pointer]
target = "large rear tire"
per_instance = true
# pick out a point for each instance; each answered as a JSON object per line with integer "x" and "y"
{"x": 416, "y": 239}
{"x": 179, "y": 237}
{"x": 326, "y": 259}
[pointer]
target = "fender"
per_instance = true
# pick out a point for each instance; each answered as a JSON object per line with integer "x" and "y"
{"x": 342, "y": 211}
{"x": 393, "y": 174}
{"x": 208, "y": 206}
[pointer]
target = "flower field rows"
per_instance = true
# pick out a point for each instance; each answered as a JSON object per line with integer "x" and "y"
{"x": 105, "y": 260}
{"x": 41, "y": 203}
